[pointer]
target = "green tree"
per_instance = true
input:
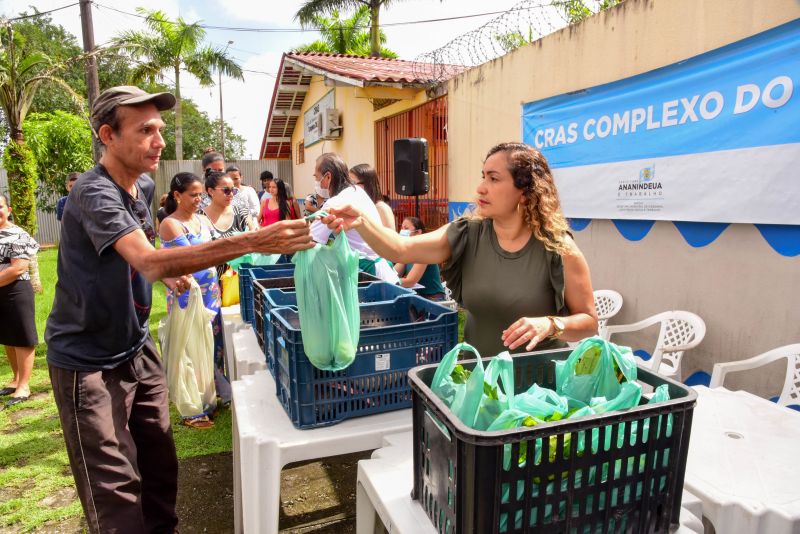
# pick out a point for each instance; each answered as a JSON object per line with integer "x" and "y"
{"x": 200, "y": 132}
{"x": 40, "y": 35}
{"x": 578, "y": 10}
{"x": 344, "y": 36}
{"x": 574, "y": 11}
{"x": 174, "y": 46}
{"x": 513, "y": 40}
{"x": 20, "y": 78}
{"x": 61, "y": 143}
{"x": 315, "y": 8}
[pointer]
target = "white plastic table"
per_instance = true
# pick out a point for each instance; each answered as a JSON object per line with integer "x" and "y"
{"x": 248, "y": 357}
{"x": 264, "y": 441}
{"x": 744, "y": 464}
{"x": 384, "y": 492}
{"x": 231, "y": 322}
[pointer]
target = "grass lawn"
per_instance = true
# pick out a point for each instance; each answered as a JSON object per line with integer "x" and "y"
{"x": 35, "y": 479}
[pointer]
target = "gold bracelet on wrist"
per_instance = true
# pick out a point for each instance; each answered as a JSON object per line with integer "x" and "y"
{"x": 558, "y": 326}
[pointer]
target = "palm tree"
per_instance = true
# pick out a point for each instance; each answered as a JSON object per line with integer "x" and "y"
{"x": 346, "y": 36}
{"x": 174, "y": 46}
{"x": 20, "y": 78}
{"x": 312, "y": 8}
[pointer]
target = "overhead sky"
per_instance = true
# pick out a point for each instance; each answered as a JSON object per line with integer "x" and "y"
{"x": 245, "y": 104}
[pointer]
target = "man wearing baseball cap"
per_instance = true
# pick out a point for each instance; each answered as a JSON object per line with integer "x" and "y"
{"x": 107, "y": 377}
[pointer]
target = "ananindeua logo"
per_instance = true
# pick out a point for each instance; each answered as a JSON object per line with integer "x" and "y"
{"x": 641, "y": 194}
{"x": 646, "y": 186}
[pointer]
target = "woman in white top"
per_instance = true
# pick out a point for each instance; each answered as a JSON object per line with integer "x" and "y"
{"x": 245, "y": 196}
{"x": 332, "y": 182}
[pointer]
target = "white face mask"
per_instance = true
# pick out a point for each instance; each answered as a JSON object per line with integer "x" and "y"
{"x": 405, "y": 233}
{"x": 324, "y": 193}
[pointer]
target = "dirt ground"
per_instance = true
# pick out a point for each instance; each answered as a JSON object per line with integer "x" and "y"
{"x": 316, "y": 496}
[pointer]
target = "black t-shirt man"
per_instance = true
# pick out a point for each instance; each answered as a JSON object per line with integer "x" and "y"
{"x": 108, "y": 380}
{"x": 102, "y": 304}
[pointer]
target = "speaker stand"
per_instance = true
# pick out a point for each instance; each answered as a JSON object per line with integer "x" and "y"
{"x": 416, "y": 205}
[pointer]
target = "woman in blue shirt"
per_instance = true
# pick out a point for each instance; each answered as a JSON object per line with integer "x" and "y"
{"x": 182, "y": 228}
{"x": 427, "y": 276}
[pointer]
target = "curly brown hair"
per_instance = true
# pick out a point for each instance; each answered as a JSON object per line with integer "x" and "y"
{"x": 542, "y": 209}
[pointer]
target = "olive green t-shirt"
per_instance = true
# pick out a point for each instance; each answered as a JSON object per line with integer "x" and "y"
{"x": 497, "y": 287}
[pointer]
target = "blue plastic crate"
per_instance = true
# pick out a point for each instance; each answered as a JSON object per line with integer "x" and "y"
{"x": 264, "y": 330}
{"x": 246, "y": 277}
{"x": 395, "y": 337}
{"x": 368, "y": 293}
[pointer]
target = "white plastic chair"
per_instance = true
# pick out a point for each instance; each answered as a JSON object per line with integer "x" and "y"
{"x": 607, "y": 302}
{"x": 680, "y": 331}
{"x": 791, "y": 385}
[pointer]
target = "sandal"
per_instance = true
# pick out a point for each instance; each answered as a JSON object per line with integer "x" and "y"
{"x": 200, "y": 422}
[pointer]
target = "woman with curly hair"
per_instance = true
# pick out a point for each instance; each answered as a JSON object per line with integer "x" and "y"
{"x": 512, "y": 265}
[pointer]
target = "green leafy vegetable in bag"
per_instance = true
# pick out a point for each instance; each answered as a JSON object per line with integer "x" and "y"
{"x": 460, "y": 375}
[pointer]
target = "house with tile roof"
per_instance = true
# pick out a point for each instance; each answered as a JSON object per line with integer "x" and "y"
{"x": 357, "y": 106}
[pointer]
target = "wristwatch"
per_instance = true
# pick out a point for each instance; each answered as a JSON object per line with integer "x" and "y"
{"x": 558, "y": 326}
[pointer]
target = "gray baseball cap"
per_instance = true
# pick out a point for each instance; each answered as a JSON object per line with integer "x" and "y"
{"x": 128, "y": 95}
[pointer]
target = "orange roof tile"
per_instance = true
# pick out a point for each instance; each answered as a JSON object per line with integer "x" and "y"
{"x": 373, "y": 69}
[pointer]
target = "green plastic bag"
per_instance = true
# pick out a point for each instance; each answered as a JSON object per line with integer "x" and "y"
{"x": 496, "y": 399}
{"x": 326, "y": 281}
{"x": 460, "y": 390}
{"x": 627, "y": 398}
{"x": 255, "y": 259}
{"x": 541, "y": 403}
{"x": 594, "y": 369}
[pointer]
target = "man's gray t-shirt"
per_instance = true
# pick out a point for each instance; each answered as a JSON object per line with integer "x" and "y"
{"x": 102, "y": 304}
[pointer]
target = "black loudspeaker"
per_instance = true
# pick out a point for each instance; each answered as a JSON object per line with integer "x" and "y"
{"x": 411, "y": 166}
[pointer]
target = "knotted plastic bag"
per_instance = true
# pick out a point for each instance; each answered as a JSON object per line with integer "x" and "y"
{"x": 594, "y": 369}
{"x": 187, "y": 350}
{"x": 326, "y": 281}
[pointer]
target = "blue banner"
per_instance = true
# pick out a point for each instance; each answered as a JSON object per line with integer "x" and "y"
{"x": 737, "y": 96}
{"x": 714, "y": 138}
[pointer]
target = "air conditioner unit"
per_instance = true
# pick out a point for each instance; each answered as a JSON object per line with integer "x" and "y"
{"x": 331, "y": 124}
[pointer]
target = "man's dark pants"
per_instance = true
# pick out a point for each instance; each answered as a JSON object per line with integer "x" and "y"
{"x": 119, "y": 441}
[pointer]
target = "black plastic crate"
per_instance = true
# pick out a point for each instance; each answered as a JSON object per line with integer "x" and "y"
{"x": 394, "y": 337}
{"x": 258, "y": 287}
{"x": 533, "y": 480}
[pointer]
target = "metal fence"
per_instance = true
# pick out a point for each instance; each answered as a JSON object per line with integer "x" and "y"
{"x": 429, "y": 121}
{"x": 50, "y": 229}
